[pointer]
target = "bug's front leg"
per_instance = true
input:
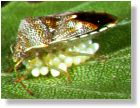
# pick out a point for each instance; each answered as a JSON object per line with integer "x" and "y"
{"x": 17, "y": 65}
{"x": 19, "y": 78}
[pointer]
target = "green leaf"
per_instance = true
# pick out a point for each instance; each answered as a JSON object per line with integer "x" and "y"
{"x": 99, "y": 78}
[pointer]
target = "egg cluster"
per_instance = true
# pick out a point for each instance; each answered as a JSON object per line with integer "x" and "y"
{"x": 61, "y": 60}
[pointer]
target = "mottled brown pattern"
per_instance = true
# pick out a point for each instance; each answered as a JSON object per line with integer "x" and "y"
{"x": 40, "y": 32}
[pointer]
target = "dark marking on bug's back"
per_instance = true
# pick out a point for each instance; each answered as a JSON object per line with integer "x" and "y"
{"x": 98, "y": 19}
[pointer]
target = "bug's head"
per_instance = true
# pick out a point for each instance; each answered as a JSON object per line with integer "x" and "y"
{"x": 98, "y": 19}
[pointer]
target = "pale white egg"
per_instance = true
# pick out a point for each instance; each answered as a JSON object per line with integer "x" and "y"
{"x": 35, "y": 72}
{"x": 82, "y": 46}
{"x": 68, "y": 61}
{"x": 56, "y": 61}
{"x": 76, "y": 60}
{"x": 93, "y": 48}
{"x": 44, "y": 70}
{"x": 76, "y": 49}
{"x": 84, "y": 58}
{"x": 96, "y": 46}
{"x": 89, "y": 41}
{"x": 54, "y": 72}
{"x": 90, "y": 51}
{"x": 62, "y": 56}
{"x": 62, "y": 66}
{"x": 70, "y": 49}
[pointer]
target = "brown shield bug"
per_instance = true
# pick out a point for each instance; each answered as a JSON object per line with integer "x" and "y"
{"x": 52, "y": 43}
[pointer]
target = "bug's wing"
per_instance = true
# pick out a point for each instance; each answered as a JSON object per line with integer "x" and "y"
{"x": 70, "y": 28}
{"x": 73, "y": 25}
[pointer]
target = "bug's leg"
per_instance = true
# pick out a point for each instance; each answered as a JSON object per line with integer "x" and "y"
{"x": 27, "y": 90}
{"x": 20, "y": 79}
{"x": 23, "y": 85}
{"x": 66, "y": 73}
{"x": 17, "y": 65}
{"x": 11, "y": 48}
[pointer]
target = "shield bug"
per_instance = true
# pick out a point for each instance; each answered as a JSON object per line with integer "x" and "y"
{"x": 54, "y": 43}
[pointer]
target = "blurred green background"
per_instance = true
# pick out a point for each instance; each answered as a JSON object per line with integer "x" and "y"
{"x": 95, "y": 79}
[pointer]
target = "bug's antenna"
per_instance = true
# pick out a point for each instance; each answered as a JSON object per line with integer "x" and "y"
{"x": 11, "y": 48}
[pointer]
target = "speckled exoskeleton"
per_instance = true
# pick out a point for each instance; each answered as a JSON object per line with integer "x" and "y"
{"x": 52, "y": 43}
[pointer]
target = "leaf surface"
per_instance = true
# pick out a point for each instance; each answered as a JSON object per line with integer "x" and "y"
{"x": 95, "y": 79}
